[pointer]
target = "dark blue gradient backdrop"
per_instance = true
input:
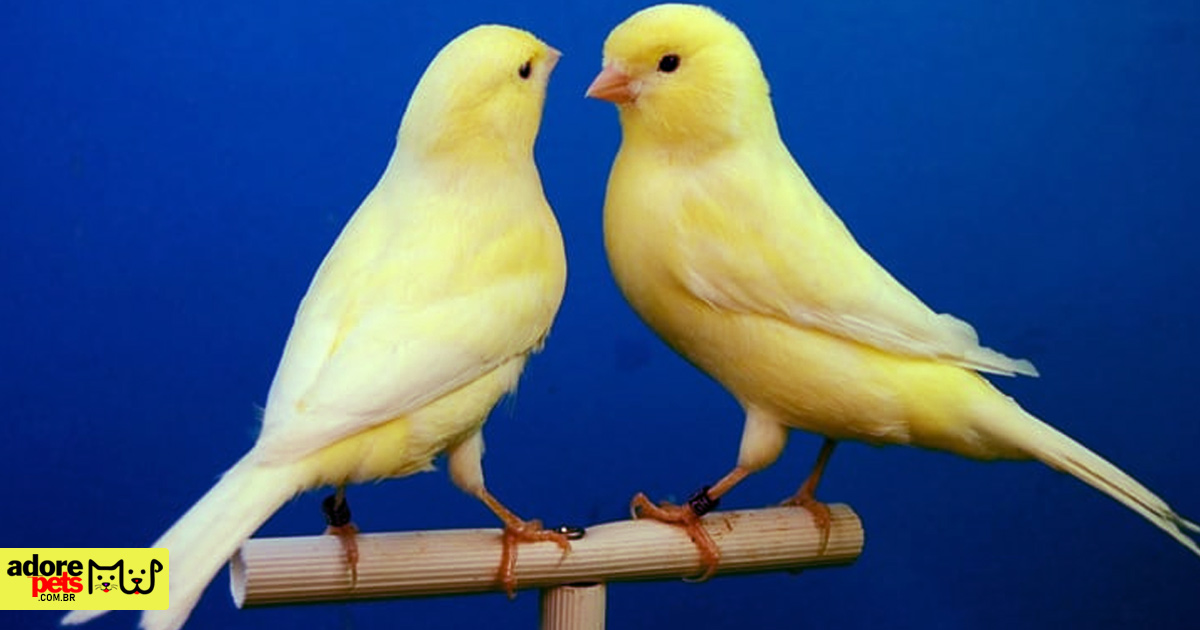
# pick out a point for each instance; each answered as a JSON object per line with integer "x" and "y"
{"x": 172, "y": 173}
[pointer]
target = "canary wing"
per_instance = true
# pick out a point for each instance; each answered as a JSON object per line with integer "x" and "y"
{"x": 760, "y": 241}
{"x": 379, "y": 336}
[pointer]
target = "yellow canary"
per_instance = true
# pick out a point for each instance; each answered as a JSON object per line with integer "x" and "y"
{"x": 420, "y": 318}
{"x": 722, "y": 245}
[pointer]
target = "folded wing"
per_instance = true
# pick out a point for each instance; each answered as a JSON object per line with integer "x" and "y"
{"x": 776, "y": 249}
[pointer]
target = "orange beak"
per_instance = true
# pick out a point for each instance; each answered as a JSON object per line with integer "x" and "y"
{"x": 552, "y": 57}
{"x": 612, "y": 85}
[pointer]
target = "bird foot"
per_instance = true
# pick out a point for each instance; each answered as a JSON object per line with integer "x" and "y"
{"x": 518, "y": 532}
{"x": 821, "y": 515}
{"x": 348, "y": 533}
{"x": 684, "y": 516}
{"x": 337, "y": 515}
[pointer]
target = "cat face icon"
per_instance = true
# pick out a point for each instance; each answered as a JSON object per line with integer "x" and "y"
{"x": 132, "y": 580}
{"x": 103, "y": 581}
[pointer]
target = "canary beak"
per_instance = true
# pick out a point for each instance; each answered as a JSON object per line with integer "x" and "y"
{"x": 552, "y": 57}
{"x": 612, "y": 85}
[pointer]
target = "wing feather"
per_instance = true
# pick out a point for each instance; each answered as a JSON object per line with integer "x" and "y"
{"x": 774, "y": 248}
{"x": 400, "y": 315}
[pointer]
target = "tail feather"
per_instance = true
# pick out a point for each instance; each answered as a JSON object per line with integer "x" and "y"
{"x": 1064, "y": 454}
{"x": 209, "y": 534}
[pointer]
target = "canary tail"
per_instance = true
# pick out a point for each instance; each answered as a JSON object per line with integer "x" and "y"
{"x": 208, "y": 534}
{"x": 1045, "y": 443}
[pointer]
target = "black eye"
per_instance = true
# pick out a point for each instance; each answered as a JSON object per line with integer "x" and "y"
{"x": 525, "y": 70}
{"x": 669, "y": 63}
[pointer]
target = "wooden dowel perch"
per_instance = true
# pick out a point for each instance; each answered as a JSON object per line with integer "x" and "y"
{"x": 573, "y": 607}
{"x": 272, "y": 571}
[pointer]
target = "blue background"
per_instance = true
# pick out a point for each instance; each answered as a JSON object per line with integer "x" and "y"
{"x": 172, "y": 173}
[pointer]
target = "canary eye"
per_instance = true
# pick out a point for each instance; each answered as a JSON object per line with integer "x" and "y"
{"x": 525, "y": 70}
{"x": 669, "y": 63}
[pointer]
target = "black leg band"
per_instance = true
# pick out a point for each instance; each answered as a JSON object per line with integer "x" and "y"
{"x": 701, "y": 503}
{"x": 337, "y": 513}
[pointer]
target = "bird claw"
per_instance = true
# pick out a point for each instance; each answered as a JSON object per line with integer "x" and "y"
{"x": 348, "y": 534}
{"x": 337, "y": 515}
{"x": 519, "y": 532}
{"x": 821, "y": 515}
{"x": 682, "y": 516}
{"x": 641, "y": 507}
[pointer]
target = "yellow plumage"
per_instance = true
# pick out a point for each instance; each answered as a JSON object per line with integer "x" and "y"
{"x": 721, "y": 244}
{"x": 420, "y": 318}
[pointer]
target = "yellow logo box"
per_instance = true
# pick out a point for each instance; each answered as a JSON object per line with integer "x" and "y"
{"x": 83, "y": 579}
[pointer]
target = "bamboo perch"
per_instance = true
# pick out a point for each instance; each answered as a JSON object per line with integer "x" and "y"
{"x": 306, "y": 569}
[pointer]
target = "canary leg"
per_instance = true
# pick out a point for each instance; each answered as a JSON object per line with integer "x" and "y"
{"x": 806, "y": 498}
{"x": 688, "y": 516}
{"x": 337, "y": 516}
{"x": 517, "y": 531}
